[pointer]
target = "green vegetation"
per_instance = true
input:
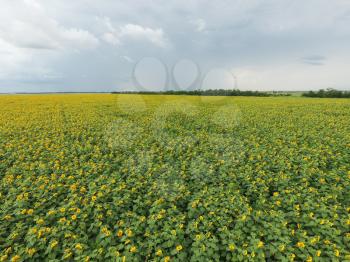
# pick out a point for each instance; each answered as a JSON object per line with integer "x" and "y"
{"x": 174, "y": 178}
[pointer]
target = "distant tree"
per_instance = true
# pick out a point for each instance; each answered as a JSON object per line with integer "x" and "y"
{"x": 328, "y": 93}
{"x": 208, "y": 92}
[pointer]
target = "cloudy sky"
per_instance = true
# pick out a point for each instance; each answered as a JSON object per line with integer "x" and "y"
{"x": 89, "y": 45}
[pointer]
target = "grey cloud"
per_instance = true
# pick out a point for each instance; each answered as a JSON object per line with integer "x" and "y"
{"x": 258, "y": 39}
{"x": 314, "y": 60}
{"x": 37, "y": 45}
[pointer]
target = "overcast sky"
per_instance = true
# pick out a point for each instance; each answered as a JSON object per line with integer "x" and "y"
{"x": 89, "y": 45}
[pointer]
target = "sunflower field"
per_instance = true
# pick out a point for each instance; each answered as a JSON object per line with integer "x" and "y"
{"x": 101, "y": 177}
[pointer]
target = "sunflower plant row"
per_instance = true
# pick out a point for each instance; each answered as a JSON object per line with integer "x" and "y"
{"x": 174, "y": 178}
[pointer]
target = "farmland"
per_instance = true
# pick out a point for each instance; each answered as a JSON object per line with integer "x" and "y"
{"x": 174, "y": 178}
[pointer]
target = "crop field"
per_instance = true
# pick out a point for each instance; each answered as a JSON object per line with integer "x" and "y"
{"x": 92, "y": 177}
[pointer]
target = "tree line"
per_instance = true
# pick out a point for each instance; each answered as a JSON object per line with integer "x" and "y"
{"x": 208, "y": 92}
{"x": 328, "y": 93}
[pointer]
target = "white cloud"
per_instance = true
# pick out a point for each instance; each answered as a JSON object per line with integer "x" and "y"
{"x": 111, "y": 38}
{"x": 116, "y": 36}
{"x": 156, "y": 36}
{"x": 10, "y": 58}
{"x": 25, "y": 24}
{"x": 77, "y": 38}
{"x": 29, "y": 37}
{"x": 33, "y": 4}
